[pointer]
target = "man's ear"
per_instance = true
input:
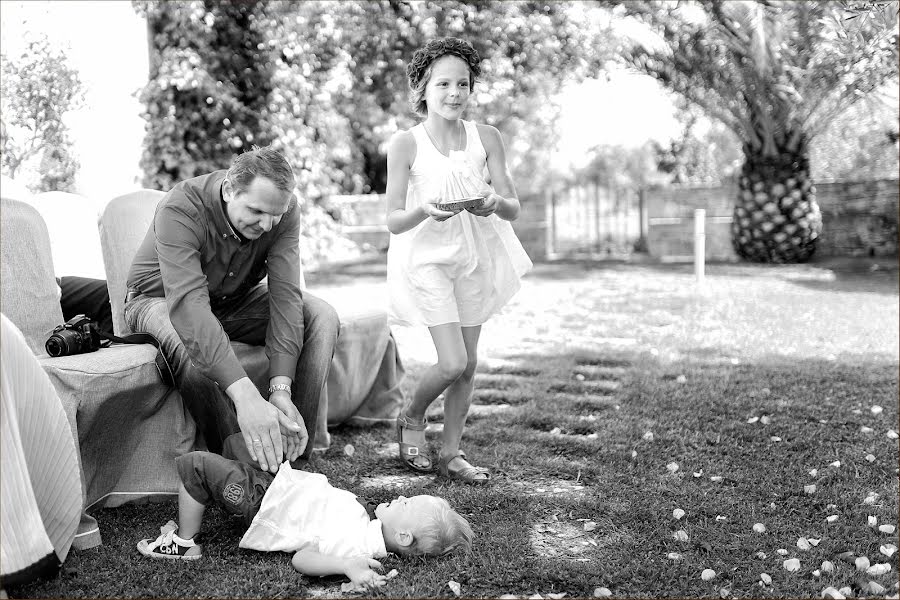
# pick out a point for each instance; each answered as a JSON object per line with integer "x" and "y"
{"x": 227, "y": 190}
{"x": 404, "y": 539}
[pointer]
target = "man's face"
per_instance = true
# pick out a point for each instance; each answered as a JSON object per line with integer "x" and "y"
{"x": 257, "y": 209}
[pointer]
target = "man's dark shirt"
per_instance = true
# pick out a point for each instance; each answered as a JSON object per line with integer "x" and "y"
{"x": 192, "y": 256}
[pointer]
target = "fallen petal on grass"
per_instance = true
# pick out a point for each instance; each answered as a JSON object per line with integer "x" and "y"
{"x": 681, "y": 379}
{"x": 814, "y": 541}
{"x": 865, "y": 429}
{"x": 846, "y": 591}
{"x": 891, "y": 434}
{"x": 872, "y": 520}
{"x": 672, "y": 467}
{"x": 349, "y": 450}
{"x": 814, "y": 472}
{"x": 391, "y": 574}
{"x": 634, "y": 454}
{"x": 886, "y": 528}
{"x": 875, "y": 587}
{"x": 648, "y": 436}
{"x": 827, "y": 566}
{"x": 766, "y": 578}
{"x": 765, "y": 419}
{"x": 817, "y": 573}
{"x": 759, "y": 528}
{"x": 454, "y": 587}
{"x": 720, "y": 518}
{"x": 708, "y": 575}
{"x": 876, "y": 410}
{"x": 673, "y": 556}
{"x": 833, "y": 594}
{"x": 698, "y": 473}
{"x": 775, "y": 438}
{"x": 724, "y": 593}
{"x": 810, "y": 489}
{"x": 716, "y": 478}
{"x": 836, "y": 464}
{"x": 792, "y": 565}
{"x": 878, "y": 569}
{"x": 602, "y": 592}
{"x": 752, "y": 420}
{"x": 862, "y": 563}
{"x": 677, "y": 514}
{"x": 557, "y": 596}
{"x": 590, "y": 526}
{"x": 782, "y": 552}
{"x": 803, "y": 543}
{"x": 870, "y": 457}
{"x": 761, "y": 555}
{"x": 681, "y": 535}
{"x": 831, "y": 518}
{"x": 888, "y": 550}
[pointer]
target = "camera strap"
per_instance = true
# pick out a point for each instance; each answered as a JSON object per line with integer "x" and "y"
{"x": 162, "y": 365}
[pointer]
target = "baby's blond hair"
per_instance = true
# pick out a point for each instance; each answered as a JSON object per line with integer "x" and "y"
{"x": 443, "y": 532}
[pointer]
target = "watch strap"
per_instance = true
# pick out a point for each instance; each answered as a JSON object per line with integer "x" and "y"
{"x": 280, "y": 387}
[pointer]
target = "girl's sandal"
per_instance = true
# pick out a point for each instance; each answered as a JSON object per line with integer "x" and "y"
{"x": 467, "y": 474}
{"x": 409, "y": 452}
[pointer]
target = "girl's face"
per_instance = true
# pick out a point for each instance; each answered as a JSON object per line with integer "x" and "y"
{"x": 447, "y": 91}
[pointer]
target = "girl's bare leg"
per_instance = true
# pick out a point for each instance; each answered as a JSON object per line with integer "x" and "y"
{"x": 458, "y": 398}
{"x": 452, "y": 359}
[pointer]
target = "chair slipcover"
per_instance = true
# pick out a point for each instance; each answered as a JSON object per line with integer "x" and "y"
{"x": 39, "y": 483}
{"x": 123, "y": 428}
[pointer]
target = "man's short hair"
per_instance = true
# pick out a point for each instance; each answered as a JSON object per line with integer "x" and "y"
{"x": 443, "y": 531}
{"x": 261, "y": 162}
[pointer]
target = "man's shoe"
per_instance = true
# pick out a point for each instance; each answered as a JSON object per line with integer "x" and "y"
{"x": 166, "y": 546}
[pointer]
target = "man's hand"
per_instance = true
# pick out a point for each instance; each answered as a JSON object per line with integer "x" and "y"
{"x": 260, "y": 424}
{"x": 293, "y": 441}
{"x": 360, "y": 570}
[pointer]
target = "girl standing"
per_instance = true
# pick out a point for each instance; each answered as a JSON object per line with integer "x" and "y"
{"x": 449, "y": 270}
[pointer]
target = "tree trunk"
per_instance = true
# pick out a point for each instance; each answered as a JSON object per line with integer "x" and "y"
{"x": 776, "y": 217}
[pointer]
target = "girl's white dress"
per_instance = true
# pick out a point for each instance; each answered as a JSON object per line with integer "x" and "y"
{"x": 464, "y": 269}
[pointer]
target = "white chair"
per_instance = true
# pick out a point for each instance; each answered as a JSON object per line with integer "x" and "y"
{"x": 126, "y": 433}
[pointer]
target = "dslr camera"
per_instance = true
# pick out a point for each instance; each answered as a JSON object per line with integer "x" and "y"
{"x": 76, "y": 336}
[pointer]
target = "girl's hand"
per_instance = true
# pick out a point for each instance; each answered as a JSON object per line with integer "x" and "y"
{"x": 437, "y": 214}
{"x": 491, "y": 204}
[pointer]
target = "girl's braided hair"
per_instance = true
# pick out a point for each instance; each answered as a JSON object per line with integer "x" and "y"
{"x": 418, "y": 71}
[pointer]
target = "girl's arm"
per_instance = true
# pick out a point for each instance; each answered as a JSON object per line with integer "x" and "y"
{"x": 360, "y": 569}
{"x": 505, "y": 202}
{"x": 401, "y": 154}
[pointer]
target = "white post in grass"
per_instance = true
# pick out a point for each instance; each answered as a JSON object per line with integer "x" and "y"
{"x": 699, "y": 243}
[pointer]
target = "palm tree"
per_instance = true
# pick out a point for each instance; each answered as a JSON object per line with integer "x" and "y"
{"x": 776, "y": 73}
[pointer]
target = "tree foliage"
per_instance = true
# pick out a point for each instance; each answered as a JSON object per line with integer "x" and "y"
{"x": 326, "y": 82}
{"x": 776, "y": 73}
{"x": 39, "y": 88}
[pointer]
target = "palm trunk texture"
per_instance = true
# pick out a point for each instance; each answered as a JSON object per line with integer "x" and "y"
{"x": 776, "y": 216}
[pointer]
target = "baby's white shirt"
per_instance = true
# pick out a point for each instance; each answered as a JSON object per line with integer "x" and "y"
{"x": 301, "y": 510}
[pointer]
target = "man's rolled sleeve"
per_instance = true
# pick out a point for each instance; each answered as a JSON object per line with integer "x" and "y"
{"x": 179, "y": 237}
{"x": 284, "y": 336}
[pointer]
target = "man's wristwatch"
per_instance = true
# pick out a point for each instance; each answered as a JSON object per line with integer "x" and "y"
{"x": 280, "y": 387}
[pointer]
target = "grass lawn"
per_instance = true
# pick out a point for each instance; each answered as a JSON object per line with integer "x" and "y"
{"x": 608, "y": 396}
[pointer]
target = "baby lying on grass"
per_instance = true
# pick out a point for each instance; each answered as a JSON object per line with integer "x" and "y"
{"x": 329, "y": 530}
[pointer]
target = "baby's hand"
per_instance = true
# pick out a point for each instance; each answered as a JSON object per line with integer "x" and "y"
{"x": 489, "y": 207}
{"x": 437, "y": 214}
{"x": 360, "y": 571}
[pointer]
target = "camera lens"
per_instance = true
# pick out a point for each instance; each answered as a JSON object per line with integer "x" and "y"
{"x": 56, "y": 346}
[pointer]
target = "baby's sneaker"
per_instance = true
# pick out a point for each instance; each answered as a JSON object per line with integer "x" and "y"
{"x": 169, "y": 545}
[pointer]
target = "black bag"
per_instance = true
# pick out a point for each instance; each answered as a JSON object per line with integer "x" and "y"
{"x": 80, "y": 334}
